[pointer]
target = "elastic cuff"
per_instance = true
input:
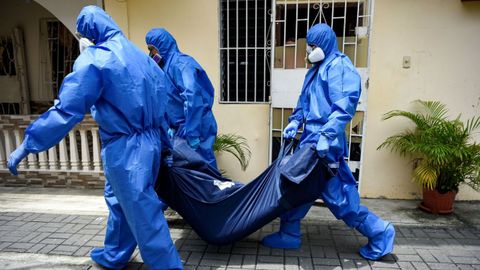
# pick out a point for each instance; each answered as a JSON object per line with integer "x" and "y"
{"x": 295, "y": 122}
{"x": 23, "y": 146}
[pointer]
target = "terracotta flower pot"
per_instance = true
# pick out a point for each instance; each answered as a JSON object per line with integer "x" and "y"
{"x": 436, "y": 202}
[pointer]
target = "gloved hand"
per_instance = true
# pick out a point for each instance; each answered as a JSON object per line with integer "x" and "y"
{"x": 168, "y": 160}
{"x": 170, "y": 133}
{"x": 194, "y": 143}
{"x": 15, "y": 158}
{"x": 323, "y": 145}
{"x": 291, "y": 130}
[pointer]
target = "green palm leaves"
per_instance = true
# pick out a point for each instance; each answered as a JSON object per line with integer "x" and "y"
{"x": 235, "y": 145}
{"x": 442, "y": 151}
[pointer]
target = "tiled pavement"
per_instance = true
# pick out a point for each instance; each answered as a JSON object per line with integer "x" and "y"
{"x": 327, "y": 244}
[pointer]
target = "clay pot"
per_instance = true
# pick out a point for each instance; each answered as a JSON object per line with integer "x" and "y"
{"x": 436, "y": 202}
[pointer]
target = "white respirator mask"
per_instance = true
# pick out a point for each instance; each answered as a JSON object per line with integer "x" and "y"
{"x": 315, "y": 55}
{"x": 84, "y": 43}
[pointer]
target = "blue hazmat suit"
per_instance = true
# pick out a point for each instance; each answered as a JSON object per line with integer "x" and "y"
{"x": 124, "y": 90}
{"x": 328, "y": 101}
{"x": 189, "y": 106}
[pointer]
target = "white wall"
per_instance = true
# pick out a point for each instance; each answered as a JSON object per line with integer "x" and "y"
{"x": 442, "y": 38}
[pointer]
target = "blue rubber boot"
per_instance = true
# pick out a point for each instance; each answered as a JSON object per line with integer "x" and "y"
{"x": 110, "y": 259}
{"x": 289, "y": 236}
{"x": 380, "y": 234}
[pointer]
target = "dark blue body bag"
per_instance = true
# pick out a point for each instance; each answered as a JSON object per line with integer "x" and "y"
{"x": 222, "y": 211}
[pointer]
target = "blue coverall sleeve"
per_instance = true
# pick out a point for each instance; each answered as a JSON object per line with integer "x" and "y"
{"x": 193, "y": 101}
{"x": 344, "y": 85}
{"x": 80, "y": 89}
{"x": 297, "y": 114}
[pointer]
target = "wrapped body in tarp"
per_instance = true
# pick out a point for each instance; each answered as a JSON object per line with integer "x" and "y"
{"x": 222, "y": 211}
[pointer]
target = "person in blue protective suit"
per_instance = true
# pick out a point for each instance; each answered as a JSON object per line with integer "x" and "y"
{"x": 328, "y": 101}
{"x": 189, "y": 107}
{"x": 124, "y": 90}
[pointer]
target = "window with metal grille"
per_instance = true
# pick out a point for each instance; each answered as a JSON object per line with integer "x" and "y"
{"x": 7, "y": 68}
{"x": 63, "y": 48}
{"x": 294, "y": 18}
{"x": 59, "y": 51}
{"x": 245, "y": 47}
{"x": 7, "y": 61}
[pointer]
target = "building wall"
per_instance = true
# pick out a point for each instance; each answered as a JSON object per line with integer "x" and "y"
{"x": 119, "y": 12}
{"x": 441, "y": 37}
{"x": 195, "y": 25}
{"x": 26, "y": 16}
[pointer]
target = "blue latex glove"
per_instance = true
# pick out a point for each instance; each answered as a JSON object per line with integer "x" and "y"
{"x": 291, "y": 130}
{"x": 194, "y": 143}
{"x": 170, "y": 133}
{"x": 323, "y": 145}
{"x": 15, "y": 158}
{"x": 168, "y": 160}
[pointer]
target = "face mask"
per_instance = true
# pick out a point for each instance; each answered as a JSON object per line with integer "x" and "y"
{"x": 316, "y": 55}
{"x": 84, "y": 43}
{"x": 156, "y": 57}
{"x": 309, "y": 49}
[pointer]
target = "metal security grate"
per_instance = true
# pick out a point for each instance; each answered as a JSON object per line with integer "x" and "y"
{"x": 293, "y": 19}
{"x": 245, "y": 48}
{"x": 62, "y": 50}
{"x": 7, "y": 68}
{"x": 7, "y": 57}
{"x": 9, "y": 108}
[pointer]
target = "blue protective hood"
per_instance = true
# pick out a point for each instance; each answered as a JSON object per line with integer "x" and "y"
{"x": 163, "y": 41}
{"x": 190, "y": 101}
{"x": 95, "y": 24}
{"x": 323, "y": 36}
{"x": 329, "y": 95}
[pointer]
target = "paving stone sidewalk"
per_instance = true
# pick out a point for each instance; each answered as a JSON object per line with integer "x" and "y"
{"x": 48, "y": 238}
{"x": 326, "y": 245}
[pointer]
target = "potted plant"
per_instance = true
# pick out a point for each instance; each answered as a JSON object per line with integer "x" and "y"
{"x": 442, "y": 151}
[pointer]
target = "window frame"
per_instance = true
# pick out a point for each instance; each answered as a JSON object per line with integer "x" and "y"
{"x": 267, "y": 48}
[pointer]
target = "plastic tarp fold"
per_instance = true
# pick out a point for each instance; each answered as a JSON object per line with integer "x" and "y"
{"x": 222, "y": 211}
